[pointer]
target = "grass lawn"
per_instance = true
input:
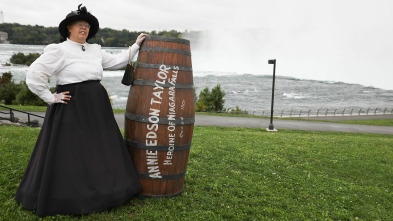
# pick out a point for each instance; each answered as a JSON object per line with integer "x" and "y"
{"x": 25, "y": 108}
{"x": 247, "y": 174}
{"x": 376, "y": 122}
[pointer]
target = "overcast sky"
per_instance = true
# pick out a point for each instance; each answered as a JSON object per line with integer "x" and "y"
{"x": 336, "y": 40}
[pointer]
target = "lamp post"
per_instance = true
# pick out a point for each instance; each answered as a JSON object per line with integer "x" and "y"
{"x": 271, "y": 126}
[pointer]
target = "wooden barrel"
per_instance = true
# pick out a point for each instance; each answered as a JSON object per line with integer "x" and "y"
{"x": 160, "y": 115}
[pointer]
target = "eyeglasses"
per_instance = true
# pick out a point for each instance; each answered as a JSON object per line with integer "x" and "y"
{"x": 80, "y": 25}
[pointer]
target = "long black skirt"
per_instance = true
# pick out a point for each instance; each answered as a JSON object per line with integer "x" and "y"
{"x": 80, "y": 163}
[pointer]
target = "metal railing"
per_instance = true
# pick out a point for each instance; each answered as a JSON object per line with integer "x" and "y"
{"x": 12, "y": 117}
{"x": 324, "y": 112}
{"x": 321, "y": 112}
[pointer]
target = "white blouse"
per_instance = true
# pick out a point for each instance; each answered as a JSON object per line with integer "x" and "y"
{"x": 70, "y": 64}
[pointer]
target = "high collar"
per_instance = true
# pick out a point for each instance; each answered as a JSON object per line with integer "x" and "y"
{"x": 76, "y": 43}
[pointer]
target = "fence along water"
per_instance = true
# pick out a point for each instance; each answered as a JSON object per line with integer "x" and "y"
{"x": 321, "y": 112}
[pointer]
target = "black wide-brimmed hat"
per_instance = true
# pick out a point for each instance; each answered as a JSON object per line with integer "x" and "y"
{"x": 79, "y": 15}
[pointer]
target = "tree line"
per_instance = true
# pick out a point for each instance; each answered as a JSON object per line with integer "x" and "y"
{"x": 106, "y": 37}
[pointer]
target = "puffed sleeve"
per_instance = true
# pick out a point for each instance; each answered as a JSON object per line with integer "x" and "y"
{"x": 117, "y": 61}
{"x": 39, "y": 72}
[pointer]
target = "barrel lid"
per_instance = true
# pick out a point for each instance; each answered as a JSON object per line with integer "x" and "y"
{"x": 167, "y": 39}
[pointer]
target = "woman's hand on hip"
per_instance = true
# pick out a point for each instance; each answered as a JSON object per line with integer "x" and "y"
{"x": 62, "y": 97}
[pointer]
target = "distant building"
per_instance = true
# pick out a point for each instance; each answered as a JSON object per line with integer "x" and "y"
{"x": 3, "y": 37}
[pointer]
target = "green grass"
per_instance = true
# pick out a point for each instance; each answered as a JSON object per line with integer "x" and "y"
{"x": 119, "y": 111}
{"x": 247, "y": 174}
{"x": 25, "y": 108}
{"x": 376, "y": 122}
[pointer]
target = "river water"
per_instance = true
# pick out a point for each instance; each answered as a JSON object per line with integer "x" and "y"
{"x": 251, "y": 92}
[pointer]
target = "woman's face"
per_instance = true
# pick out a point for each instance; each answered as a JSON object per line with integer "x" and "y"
{"x": 79, "y": 31}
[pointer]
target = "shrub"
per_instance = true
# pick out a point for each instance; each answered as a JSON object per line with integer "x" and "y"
{"x": 26, "y": 97}
{"x": 12, "y": 93}
{"x": 8, "y": 89}
{"x": 203, "y": 104}
{"x": 217, "y": 96}
{"x": 21, "y": 58}
{"x": 210, "y": 101}
{"x": 237, "y": 111}
{"x": 7, "y": 77}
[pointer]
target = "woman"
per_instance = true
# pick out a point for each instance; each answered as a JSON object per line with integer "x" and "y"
{"x": 80, "y": 163}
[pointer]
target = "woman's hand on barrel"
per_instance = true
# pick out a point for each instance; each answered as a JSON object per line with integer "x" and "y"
{"x": 62, "y": 97}
{"x": 140, "y": 38}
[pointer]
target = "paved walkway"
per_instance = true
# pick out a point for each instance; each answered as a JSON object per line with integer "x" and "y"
{"x": 203, "y": 120}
